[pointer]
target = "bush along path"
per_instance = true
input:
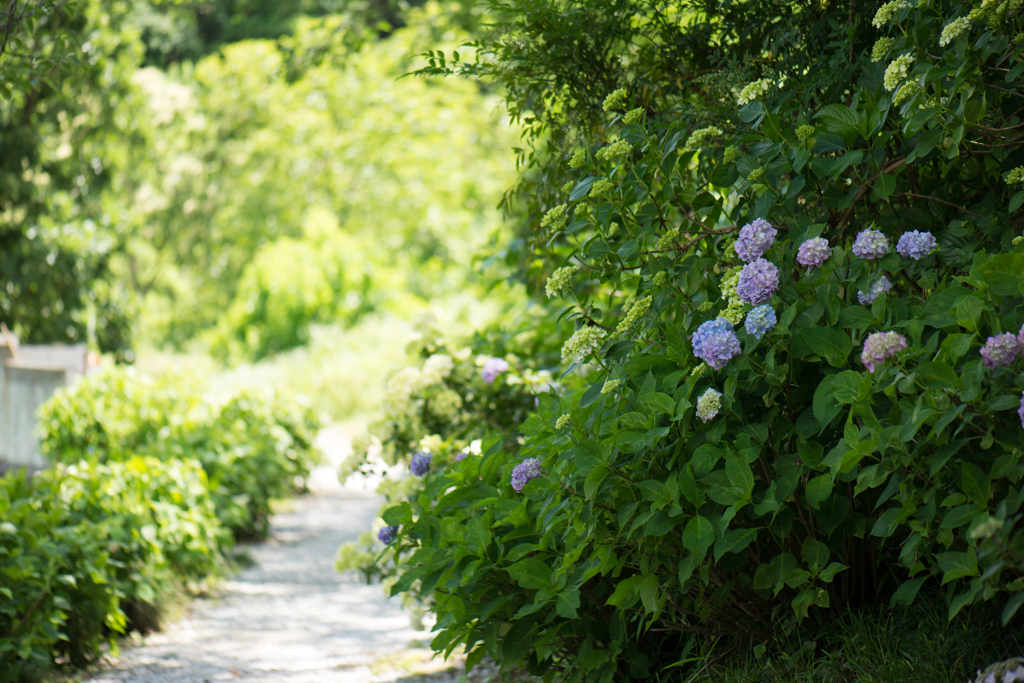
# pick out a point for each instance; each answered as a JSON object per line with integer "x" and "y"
{"x": 291, "y": 618}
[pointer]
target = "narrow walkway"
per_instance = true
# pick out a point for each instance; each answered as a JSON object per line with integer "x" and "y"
{"x": 291, "y": 618}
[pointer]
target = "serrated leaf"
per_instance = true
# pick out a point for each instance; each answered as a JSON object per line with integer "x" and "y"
{"x": 829, "y": 342}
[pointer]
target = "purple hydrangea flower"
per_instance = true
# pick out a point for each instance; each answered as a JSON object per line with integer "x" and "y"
{"x": 715, "y": 343}
{"x": 758, "y": 281}
{"x": 1020, "y": 411}
{"x": 420, "y": 464}
{"x": 492, "y": 368}
{"x": 461, "y": 455}
{"x": 524, "y": 472}
{"x": 387, "y": 534}
{"x": 813, "y": 252}
{"x": 915, "y": 244}
{"x": 879, "y": 346}
{"x": 760, "y": 320}
{"x": 755, "y": 239}
{"x": 1020, "y": 338}
{"x": 878, "y": 287}
{"x": 870, "y": 244}
{"x": 1000, "y": 350}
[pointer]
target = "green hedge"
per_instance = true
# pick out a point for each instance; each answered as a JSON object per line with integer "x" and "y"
{"x": 254, "y": 445}
{"x": 88, "y": 551}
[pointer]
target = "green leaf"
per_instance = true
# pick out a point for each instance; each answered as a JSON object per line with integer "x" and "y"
{"x": 831, "y": 343}
{"x": 734, "y": 541}
{"x": 839, "y": 119}
{"x": 907, "y": 591}
{"x": 698, "y": 536}
{"x": 567, "y": 602}
{"x": 624, "y": 594}
{"x": 957, "y": 565}
{"x": 1012, "y": 605}
{"x": 815, "y": 555}
{"x": 818, "y": 489}
{"x": 1003, "y": 273}
{"x": 582, "y": 188}
{"x": 824, "y": 404}
{"x": 649, "y": 593}
{"x": 937, "y": 375}
{"x": 831, "y": 570}
{"x": 531, "y": 573}
{"x": 975, "y": 483}
{"x": 592, "y": 394}
{"x": 849, "y": 386}
{"x": 885, "y": 525}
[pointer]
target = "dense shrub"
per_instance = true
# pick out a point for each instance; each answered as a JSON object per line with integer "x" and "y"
{"x": 89, "y": 550}
{"x": 254, "y": 445}
{"x": 787, "y": 235}
{"x": 57, "y": 598}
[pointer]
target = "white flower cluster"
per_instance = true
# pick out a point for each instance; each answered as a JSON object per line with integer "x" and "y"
{"x": 753, "y": 91}
{"x": 897, "y": 71}
{"x": 701, "y": 137}
{"x": 619, "y": 148}
{"x": 953, "y": 29}
{"x": 637, "y": 311}
{"x": 610, "y": 386}
{"x": 559, "y": 280}
{"x": 887, "y": 11}
{"x": 555, "y": 218}
{"x": 582, "y": 343}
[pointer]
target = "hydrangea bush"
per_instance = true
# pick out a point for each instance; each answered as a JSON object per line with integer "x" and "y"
{"x": 859, "y": 443}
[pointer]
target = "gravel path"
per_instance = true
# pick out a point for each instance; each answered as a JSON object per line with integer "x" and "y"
{"x": 291, "y": 618}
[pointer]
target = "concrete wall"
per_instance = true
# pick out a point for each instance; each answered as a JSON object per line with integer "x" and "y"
{"x": 23, "y": 389}
{"x": 25, "y": 384}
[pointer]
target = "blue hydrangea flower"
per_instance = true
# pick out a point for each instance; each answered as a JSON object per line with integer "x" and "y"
{"x": 492, "y": 368}
{"x": 755, "y": 239}
{"x": 525, "y": 471}
{"x": 870, "y": 244}
{"x": 708, "y": 404}
{"x": 1000, "y": 350}
{"x": 915, "y": 244}
{"x": 420, "y": 464}
{"x": 760, "y": 320}
{"x": 878, "y": 287}
{"x": 387, "y": 534}
{"x": 461, "y": 455}
{"x": 879, "y": 346}
{"x": 813, "y": 252}
{"x": 1020, "y": 411}
{"x": 758, "y": 281}
{"x": 715, "y": 343}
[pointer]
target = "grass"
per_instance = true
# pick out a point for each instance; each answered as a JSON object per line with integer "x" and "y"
{"x": 880, "y": 645}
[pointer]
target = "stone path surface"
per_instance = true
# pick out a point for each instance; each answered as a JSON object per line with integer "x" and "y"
{"x": 291, "y": 618}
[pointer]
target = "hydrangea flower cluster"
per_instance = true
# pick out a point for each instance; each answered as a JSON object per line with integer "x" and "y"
{"x": 897, "y": 70}
{"x": 525, "y": 471}
{"x": 577, "y": 159}
{"x": 953, "y": 29}
{"x": 559, "y": 280}
{"x": 666, "y": 240}
{"x": 701, "y": 138}
{"x": 879, "y": 346}
{"x": 755, "y": 239}
{"x": 715, "y": 343}
{"x": 582, "y": 343}
{"x": 615, "y": 100}
{"x": 804, "y": 132}
{"x": 1020, "y": 411}
{"x": 877, "y": 288}
{"x": 813, "y": 252}
{"x": 709, "y": 404}
{"x": 633, "y": 116}
{"x": 870, "y": 244}
{"x": 906, "y": 91}
{"x": 445, "y": 405}
{"x": 387, "y": 534}
{"x": 1009, "y": 671}
{"x": 637, "y": 311}
{"x": 610, "y": 386}
{"x": 556, "y": 218}
{"x": 915, "y": 244}
{"x": 887, "y": 11}
{"x": 617, "y": 149}
{"x": 760, "y": 321}
{"x": 660, "y": 278}
{"x": 881, "y": 49}
{"x": 1015, "y": 176}
{"x": 753, "y": 91}
{"x": 1000, "y": 350}
{"x": 562, "y": 421}
{"x": 420, "y": 464}
{"x": 492, "y": 368}
{"x": 758, "y": 281}
{"x": 462, "y": 455}
{"x": 600, "y": 187}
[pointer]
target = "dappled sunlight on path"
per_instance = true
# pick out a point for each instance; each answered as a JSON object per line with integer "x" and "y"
{"x": 290, "y": 618}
